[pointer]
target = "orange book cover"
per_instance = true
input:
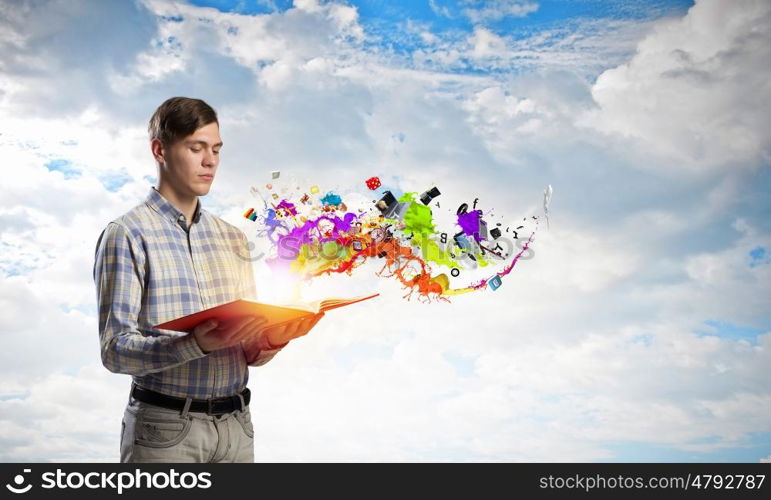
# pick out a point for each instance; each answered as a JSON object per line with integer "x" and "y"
{"x": 242, "y": 307}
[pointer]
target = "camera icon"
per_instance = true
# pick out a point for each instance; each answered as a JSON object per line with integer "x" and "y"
{"x": 19, "y": 481}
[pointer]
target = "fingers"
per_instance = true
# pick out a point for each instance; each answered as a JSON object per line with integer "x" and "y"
{"x": 280, "y": 334}
{"x": 250, "y": 328}
{"x": 283, "y": 333}
{"x": 207, "y": 326}
{"x": 235, "y": 326}
{"x": 297, "y": 328}
{"x": 305, "y": 325}
{"x": 242, "y": 329}
{"x": 255, "y": 328}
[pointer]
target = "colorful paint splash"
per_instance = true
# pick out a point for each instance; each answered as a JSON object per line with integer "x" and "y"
{"x": 315, "y": 235}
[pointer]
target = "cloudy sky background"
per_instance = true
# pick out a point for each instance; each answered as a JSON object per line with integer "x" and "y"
{"x": 640, "y": 330}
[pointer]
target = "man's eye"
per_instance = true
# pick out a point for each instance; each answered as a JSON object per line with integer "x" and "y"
{"x": 194, "y": 150}
{"x": 215, "y": 151}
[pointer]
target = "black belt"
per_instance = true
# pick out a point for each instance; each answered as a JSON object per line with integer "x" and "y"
{"x": 214, "y": 406}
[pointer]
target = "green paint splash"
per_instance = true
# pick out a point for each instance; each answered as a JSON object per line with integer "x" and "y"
{"x": 419, "y": 223}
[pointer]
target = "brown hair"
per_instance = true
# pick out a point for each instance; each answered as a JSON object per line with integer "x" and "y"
{"x": 179, "y": 117}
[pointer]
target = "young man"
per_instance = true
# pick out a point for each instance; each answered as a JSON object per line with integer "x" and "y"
{"x": 168, "y": 257}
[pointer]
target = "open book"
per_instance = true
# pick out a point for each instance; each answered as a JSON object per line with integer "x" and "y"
{"x": 243, "y": 307}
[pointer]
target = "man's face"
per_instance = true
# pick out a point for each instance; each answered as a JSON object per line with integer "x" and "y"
{"x": 191, "y": 162}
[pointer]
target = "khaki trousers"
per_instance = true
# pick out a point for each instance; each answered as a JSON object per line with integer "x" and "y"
{"x": 151, "y": 433}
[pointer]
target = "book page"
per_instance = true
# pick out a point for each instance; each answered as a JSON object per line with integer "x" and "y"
{"x": 324, "y": 304}
{"x": 312, "y": 307}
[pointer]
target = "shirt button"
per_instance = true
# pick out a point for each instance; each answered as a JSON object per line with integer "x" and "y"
{"x": 181, "y": 217}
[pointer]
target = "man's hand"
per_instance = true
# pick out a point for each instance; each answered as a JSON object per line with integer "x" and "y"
{"x": 212, "y": 336}
{"x": 281, "y": 334}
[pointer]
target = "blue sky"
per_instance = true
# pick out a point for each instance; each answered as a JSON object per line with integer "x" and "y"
{"x": 444, "y": 15}
{"x": 640, "y": 330}
{"x": 388, "y": 23}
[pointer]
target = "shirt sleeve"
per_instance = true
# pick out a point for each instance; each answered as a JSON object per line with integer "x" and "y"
{"x": 257, "y": 351}
{"x": 119, "y": 267}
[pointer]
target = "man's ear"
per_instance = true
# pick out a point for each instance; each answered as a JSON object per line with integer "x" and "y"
{"x": 156, "y": 147}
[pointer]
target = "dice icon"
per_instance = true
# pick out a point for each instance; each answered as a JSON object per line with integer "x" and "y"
{"x": 373, "y": 183}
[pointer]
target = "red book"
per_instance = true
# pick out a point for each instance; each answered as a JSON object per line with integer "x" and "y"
{"x": 243, "y": 307}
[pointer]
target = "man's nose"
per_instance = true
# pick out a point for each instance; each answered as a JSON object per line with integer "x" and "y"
{"x": 209, "y": 158}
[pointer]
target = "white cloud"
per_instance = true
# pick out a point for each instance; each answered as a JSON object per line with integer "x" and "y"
{"x": 588, "y": 344}
{"x": 486, "y": 44}
{"x": 695, "y": 91}
{"x": 585, "y": 48}
{"x": 499, "y": 9}
{"x": 482, "y": 11}
{"x": 62, "y": 417}
{"x": 52, "y": 42}
{"x": 438, "y": 9}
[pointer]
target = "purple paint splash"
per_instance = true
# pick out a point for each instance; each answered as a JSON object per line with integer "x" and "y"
{"x": 470, "y": 222}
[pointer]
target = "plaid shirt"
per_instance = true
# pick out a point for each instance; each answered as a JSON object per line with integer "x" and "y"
{"x": 149, "y": 268}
